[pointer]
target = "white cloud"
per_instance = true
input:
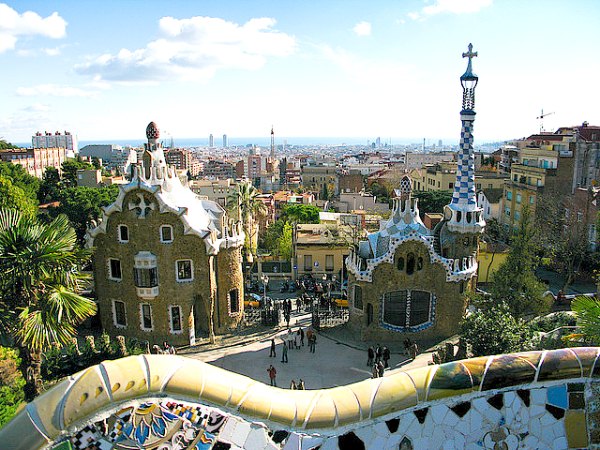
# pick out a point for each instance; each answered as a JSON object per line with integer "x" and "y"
{"x": 29, "y": 23}
{"x": 362, "y": 29}
{"x": 37, "y": 107}
{"x": 52, "y": 51}
{"x": 53, "y": 90}
{"x": 193, "y": 49}
{"x": 450, "y": 6}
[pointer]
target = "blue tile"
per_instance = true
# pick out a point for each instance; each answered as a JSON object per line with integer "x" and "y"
{"x": 557, "y": 396}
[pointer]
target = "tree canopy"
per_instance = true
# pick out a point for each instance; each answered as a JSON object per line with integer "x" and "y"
{"x": 432, "y": 201}
{"x": 297, "y": 213}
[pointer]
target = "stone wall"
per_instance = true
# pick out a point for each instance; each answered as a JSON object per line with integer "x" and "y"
{"x": 543, "y": 399}
{"x": 450, "y": 303}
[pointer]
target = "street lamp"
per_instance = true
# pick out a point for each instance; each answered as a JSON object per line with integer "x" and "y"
{"x": 265, "y": 281}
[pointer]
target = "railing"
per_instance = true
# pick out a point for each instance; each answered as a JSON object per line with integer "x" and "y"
{"x": 328, "y": 318}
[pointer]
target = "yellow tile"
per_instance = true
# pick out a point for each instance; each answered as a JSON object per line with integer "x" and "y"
{"x": 239, "y": 389}
{"x": 46, "y": 406}
{"x": 476, "y": 367}
{"x": 575, "y": 426}
{"x": 323, "y": 413}
{"x": 283, "y": 405}
{"x": 87, "y": 395}
{"x": 127, "y": 377}
{"x": 421, "y": 377}
{"x": 346, "y": 405}
{"x": 258, "y": 401}
{"x": 395, "y": 393}
{"x": 187, "y": 379}
{"x": 161, "y": 367}
{"x": 304, "y": 400}
{"x": 364, "y": 392}
{"x": 449, "y": 380}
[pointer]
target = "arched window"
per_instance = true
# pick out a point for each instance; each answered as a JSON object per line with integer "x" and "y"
{"x": 407, "y": 310}
{"x": 358, "y": 302}
{"x": 410, "y": 264}
{"x": 458, "y": 216}
{"x": 419, "y": 263}
{"x": 400, "y": 263}
{"x": 469, "y": 216}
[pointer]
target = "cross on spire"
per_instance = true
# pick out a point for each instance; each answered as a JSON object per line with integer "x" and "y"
{"x": 470, "y": 54}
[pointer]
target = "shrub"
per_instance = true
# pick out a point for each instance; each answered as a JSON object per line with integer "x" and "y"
{"x": 11, "y": 384}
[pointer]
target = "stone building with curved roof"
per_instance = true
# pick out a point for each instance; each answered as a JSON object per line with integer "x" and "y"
{"x": 167, "y": 264}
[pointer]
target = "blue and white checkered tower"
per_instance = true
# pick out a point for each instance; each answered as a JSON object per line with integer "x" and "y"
{"x": 462, "y": 214}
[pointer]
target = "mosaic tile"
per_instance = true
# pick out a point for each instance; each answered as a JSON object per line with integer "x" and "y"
{"x": 450, "y": 379}
{"x": 461, "y": 409}
{"x": 524, "y": 394}
{"x": 497, "y": 401}
{"x": 587, "y": 356}
{"x": 511, "y": 370}
{"x": 557, "y": 413}
{"x": 557, "y": 396}
{"x": 421, "y": 414}
{"x": 576, "y": 429}
{"x": 576, "y": 400}
{"x": 559, "y": 364}
{"x": 350, "y": 441}
{"x": 393, "y": 425}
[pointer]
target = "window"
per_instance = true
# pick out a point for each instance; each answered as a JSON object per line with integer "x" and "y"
{"x": 184, "y": 270}
{"x": 166, "y": 233}
{"x": 579, "y": 217}
{"x": 407, "y": 310}
{"x": 119, "y": 316}
{"x": 518, "y": 199}
{"x": 507, "y": 212}
{"x": 329, "y": 262}
{"x": 410, "y": 264}
{"x": 400, "y": 263}
{"x": 358, "y": 303}
{"x": 114, "y": 269}
{"x": 123, "y": 233}
{"x": 175, "y": 313}
{"x": 517, "y": 216}
{"x": 145, "y": 278}
{"x": 508, "y": 195}
{"x": 307, "y": 263}
{"x": 450, "y": 185}
{"x": 531, "y": 199}
{"x": 146, "y": 316}
{"x": 234, "y": 301}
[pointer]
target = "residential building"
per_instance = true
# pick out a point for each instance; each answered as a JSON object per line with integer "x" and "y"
{"x": 56, "y": 140}
{"x": 183, "y": 159}
{"x": 217, "y": 169}
{"x": 35, "y": 160}
{"x": 490, "y": 201}
{"x": 217, "y": 191}
{"x": 315, "y": 177}
{"x": 167, "y": 265}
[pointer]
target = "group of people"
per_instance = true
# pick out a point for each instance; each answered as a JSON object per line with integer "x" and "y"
{"x": 293, "y": 341}
{"x": 378, "y": 358}
{"x": 411, "y": 348}
{"x": 287, "y": 311}
{"x": 165, "y": 350}
{"x": 299, "y": 386}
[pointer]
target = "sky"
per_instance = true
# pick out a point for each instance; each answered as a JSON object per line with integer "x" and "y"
{"x": 365, "y": 69}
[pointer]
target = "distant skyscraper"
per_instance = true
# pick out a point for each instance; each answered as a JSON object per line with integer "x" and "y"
{"x": 378, "y": 142}
{"x": 224, "y": 141}
{"x": 272, "y": 144}
{"x": 440, "y": 143}
{"x": 211, "y": 140}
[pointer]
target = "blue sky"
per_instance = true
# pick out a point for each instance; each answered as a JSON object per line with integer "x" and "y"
{"x": 104, "y": 69}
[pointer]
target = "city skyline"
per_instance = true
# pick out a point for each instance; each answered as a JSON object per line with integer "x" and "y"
{"x": 235, "y": 68}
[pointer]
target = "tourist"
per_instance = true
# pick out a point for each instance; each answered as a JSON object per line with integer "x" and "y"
{"x": 414, "y": 350}
{"x": 290, "y": 339}
{"x": 293, "y": 385}
{"x": 284, "y": 354}
{"x": 385, "y": 354}
{"x": 272, "y": 374}
{"x": 272, "y": 352}
{"x": 312, "y": 341}
{"x": 301, "y": 330}
{"x": 380, "y": 368}
{"x": 370, "y": 355}
{"x": 301, "y": 385}
{"x": 297, "y": 340}
{"x": 377, "y": 353}
{"x": 375, "y": 372}
{"x": 407, "y": 344}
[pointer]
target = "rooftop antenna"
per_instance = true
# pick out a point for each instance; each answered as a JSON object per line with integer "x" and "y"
{"x": 541, "y": 119}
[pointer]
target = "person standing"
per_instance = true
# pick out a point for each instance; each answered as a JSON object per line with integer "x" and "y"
{"x": 293, "y": 386}
{"x": 272, "y": 352}
{"x": 272, "y": 374}
{"x": 380, "y": 368}
{"x": 375, "y": 372}
{"x": 377, "y": 353}
{"x": 385, "y": 354}
{"x": 301, "y": 385}
{"x": 284, "y": 354}
{"x": 370, "y": 355}
{"x": 301, "y": 336}
{"x": 312, "y": 342}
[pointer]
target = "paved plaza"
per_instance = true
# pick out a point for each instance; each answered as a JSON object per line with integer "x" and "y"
{"x": 338, "y": 359}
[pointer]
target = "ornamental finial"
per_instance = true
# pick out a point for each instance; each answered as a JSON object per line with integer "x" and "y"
{"x": 469, "y": 54}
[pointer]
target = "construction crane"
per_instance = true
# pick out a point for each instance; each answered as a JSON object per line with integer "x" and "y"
{"x": 541, "y": 119}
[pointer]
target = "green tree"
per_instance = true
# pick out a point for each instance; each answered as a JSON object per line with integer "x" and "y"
{"x": 588, "y": 317}
{"x": 6, "y": 145}
{"x": 13, "y": 197}
{"x": 50, "y": 186}
{"x": 515, "y": 282}
{"x": 11, "y": 384}
{"x": 296, "y": 213}
{"x": 39, "y": 285}
{"x": 83, "y": 204}
{"x": 69, "y": 171}
{"x": 494, "y": 331}
{"x": 20, "y": 178}
{"x": 432, "y": 201}
{"x": 285, "y": 242}
{"x": 247, "y": 207}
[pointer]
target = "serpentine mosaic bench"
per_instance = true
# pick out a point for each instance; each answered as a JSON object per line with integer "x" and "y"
{"x": 544, "y": 399}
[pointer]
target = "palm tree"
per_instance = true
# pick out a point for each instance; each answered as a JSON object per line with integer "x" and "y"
{"x": 39, "y": 285}
{"x": 588, "y": 318}
{"x": 246, "y": 206}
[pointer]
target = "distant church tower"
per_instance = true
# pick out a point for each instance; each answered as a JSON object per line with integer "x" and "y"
{"x": 272, "y": 144}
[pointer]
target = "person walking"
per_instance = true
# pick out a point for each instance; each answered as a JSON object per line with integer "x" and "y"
{"x": 272, "y": 374}
{"x": 272, "y": 352}
{"x": 414, "y": 350}
{"x": 284, "y": 354}
{"x": 375, "y": 372}
{"x": 301, "y": 385}
{"x": 312, "y": 342}
{"x": 377, "y": 353}
{"x": 301, "y": 336}
{"x": 293, "y": 386}
{"x": 370, "y": 355}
